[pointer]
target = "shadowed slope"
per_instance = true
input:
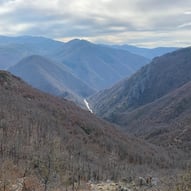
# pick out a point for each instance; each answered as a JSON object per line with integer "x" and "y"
{"x": 49, "y": 77}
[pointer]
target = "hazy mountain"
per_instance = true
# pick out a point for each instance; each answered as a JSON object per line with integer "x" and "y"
{"x": 50, "y": 77}
{"x": 95, "y": 65}
{"x": 13, "y": 49}
{"x": 149, "y": 53}
{"x": 62, "y": 144}
{"x": 100, "y": 66}
{"x": 11, "y": 54}
{"x": 40, "y": 45}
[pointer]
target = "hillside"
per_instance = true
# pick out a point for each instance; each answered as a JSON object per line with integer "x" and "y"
{"x": 50, "y": 77}
{"x": 163, "y": 75}
{"x": 100, "y": 66}
{"x": 154, "y": 103}
{"x": 166, "y": 121}
{"x": 61, "y": 144}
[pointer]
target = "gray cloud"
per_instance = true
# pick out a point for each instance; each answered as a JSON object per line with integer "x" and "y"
{"x": 112, "y": 21}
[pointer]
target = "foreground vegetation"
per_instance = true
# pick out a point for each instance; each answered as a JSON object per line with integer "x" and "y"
{"x": 50, "y": 145}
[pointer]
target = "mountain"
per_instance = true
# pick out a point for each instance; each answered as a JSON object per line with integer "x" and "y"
{"x": 166, "y": 121}
{"x": 51, "y": 77}
{"x": 61, "y": 144}
{"x": 162, "y": 75}
{"x": 149, "y": 53}
{"x": 11, "y": 54}
{"x": 14, "y": 49}
{"x": 37, "y": 45}
{"x": 154, "y": 102}
{"x": 100, "y": 66}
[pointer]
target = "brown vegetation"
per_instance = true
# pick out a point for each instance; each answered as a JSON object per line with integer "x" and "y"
{"x": 51, "y": 143}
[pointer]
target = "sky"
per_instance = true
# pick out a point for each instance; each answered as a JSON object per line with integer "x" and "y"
{"x": 146, "y": 23}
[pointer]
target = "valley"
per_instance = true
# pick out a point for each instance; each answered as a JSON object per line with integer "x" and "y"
{"x": 154, "y": 103}
{"x": 93, "y": 118}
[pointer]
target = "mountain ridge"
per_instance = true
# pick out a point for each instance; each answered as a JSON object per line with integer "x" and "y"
{"x": 165, "y": 121}
{"x": 49, "y": 77}
{"x": 149, "y": 53}
{"x": 100, "y": 66}
{"x": 154, "y": 103}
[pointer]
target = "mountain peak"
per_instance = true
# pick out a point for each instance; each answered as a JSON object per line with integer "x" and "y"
{"x": 79, "y": 42}
{"x": 34, "y": 57}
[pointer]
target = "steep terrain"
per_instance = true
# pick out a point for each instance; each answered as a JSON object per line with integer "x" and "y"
{"x": 163, "y": 75}
{"x": 60, "y": 144}
{"x": 50, "y": 77}
{"x": 166, "y": 121}
{"x": 154, "y": 103}
{"x": 100, "y": 66}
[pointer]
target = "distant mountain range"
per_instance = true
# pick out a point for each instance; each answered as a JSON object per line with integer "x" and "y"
{"x": 149, "y": 53}
{"x": 13, "y": 49}
{"x": 75, "y": 69}
{"x": 154, "y": 102}
{"x": 100, "y": 66}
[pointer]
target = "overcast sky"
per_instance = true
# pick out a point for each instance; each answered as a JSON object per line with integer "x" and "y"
{"x": 140, "y": 22}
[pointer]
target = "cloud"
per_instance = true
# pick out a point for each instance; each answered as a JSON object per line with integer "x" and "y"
{"x": 185, "y": 25}
{"x": 187, "y": 12}
{"x": 110, "y": 21}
